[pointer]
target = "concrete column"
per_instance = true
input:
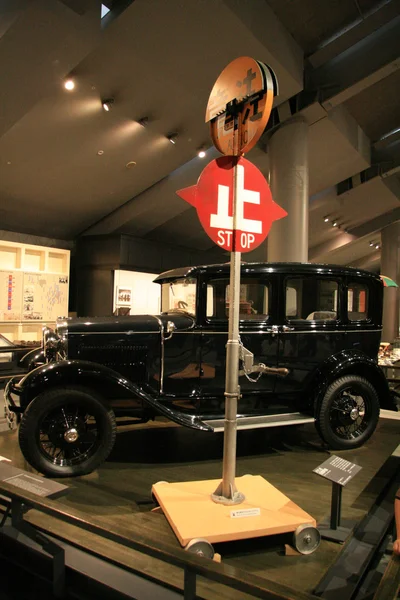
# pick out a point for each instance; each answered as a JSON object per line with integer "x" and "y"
{"x": 288, "y": 161}
{"x": 390, "y": 266}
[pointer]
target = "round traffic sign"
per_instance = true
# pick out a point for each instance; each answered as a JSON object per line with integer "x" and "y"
{"x": 213, "y": 200}
{"x": 240, "y": 104}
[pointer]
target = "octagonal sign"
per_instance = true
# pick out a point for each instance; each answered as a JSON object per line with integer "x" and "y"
{"x": 213, "y": 199}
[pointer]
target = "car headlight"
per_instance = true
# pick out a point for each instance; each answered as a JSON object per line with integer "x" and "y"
{"x": 54, "y": 343}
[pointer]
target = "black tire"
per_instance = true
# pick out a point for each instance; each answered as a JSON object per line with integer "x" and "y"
{"x": 348, "y": 413}
{"x": 52, "y": 415}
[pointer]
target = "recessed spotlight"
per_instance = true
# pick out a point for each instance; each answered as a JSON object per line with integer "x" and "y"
{"x": 100, "y": 152}
{"x": 130, "y": 164}
{"x": 326, "y": 219}
{"x": 144, "y": 121}
{"x": 107, "y": 104}
{"x": 201, "y": 153}
{"x": 377, "y": 246}
{"x": 69, "y": 84}
{"x": 172, "y": 137}
{"x": 334, "y": 223}
{"x": 371, "y": 244}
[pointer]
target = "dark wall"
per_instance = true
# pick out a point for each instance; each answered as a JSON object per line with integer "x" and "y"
{"x": 98, "y": 256}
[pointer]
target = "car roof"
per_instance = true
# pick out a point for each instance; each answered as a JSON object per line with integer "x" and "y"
{"x": 292, "y": 268}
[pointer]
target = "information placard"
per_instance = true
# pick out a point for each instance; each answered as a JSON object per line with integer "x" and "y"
{"x": 338, "y": 470}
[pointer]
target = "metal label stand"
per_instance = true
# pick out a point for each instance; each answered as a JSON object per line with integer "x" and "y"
{"x": 336, "y": 529}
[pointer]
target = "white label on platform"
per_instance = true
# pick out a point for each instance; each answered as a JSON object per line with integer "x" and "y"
{"x": 245, "y": 512}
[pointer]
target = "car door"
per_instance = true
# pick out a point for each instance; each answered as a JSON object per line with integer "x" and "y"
{"x": 312, "y": 329}
{"x": 257, "y": 305}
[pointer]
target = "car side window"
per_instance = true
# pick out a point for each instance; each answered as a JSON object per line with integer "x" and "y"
{"x": 310, "y": 299}
{"x": 254, "y": 299}
{"x": 357, "y": 302}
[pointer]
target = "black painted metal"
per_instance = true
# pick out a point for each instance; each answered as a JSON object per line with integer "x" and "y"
{"x": 345, "y": 576}
{"x": 336, "y": 505}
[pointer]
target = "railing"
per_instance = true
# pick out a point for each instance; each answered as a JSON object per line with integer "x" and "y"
{"x": 389, "y": 586}
{"x": 191, "y": 565}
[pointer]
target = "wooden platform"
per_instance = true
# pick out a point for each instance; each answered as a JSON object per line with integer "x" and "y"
{"x": 119, "y": 493}
{"x": 192, "y": 513}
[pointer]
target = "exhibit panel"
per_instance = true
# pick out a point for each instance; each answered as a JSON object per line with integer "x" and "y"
{"x": 34, "y": 287}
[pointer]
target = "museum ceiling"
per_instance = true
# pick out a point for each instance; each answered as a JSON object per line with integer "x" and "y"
{"x": 68, "y": 168}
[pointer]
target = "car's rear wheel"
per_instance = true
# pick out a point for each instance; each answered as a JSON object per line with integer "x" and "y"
{"x": 348, "y": 413}
{"x": 66, "y": 432}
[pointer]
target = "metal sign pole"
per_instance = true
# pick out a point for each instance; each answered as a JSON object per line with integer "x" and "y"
{"x": 226, "y": 493}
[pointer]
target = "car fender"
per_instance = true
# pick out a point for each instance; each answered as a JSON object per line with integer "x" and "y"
{"x": 352, "y": 362}
{"x": 90, "y": 374}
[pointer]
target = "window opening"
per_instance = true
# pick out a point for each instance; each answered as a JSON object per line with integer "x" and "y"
{"x": 254, "y": 299}
{"x": 357, "y": 302}
{"x": 310, "y": 299}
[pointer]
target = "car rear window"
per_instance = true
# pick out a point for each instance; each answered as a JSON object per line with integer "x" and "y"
{"x": 311, "y": 299}
{"x": 357, "y": 302}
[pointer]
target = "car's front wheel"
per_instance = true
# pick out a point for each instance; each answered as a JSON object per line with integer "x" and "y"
{"x": 66, "y": 432}
{"x": 348, "y": 413}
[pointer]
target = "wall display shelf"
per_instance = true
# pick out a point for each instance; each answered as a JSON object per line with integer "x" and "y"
{"x": 34, "y": 283}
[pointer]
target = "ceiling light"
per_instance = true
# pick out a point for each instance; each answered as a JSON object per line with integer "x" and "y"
{"x": 69, "y": 84}
{"x": 107, "y": 104}
{"x": 377, "y": 246}
{"x": 326, "y": 219}
{"x": 144, "y": 121}
{"x": 334, "y": 223}
{"x": 371, "y": 244}
{"x": 172, "y": 137}
{"x": 201, "y": 153}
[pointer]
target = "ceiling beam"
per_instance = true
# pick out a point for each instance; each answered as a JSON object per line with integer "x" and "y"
{"x": 358, "y": 67}
{"x": 376, "y": 224}
{"x": 370, "y": 22}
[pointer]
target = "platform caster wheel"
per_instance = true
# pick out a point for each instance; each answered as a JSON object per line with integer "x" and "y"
{"x": 201, "y": 547}
{"x": 153, "y": 496}
{"x": 306, "y": 539}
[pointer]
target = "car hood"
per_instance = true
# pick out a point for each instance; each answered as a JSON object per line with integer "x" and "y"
{"x": 144, "y": 323}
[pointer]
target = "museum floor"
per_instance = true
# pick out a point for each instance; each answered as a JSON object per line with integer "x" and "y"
{"x": 119, "y": 492}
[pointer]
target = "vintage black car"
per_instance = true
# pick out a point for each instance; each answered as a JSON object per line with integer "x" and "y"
{"x": 317, "y": 326}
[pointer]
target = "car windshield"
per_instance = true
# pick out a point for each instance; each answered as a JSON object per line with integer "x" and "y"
{"x": 179, "y": 294}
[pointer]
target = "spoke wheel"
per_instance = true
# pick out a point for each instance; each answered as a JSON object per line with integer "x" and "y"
{"x": 348, "y": 413}
{"x": 66, "y": 432}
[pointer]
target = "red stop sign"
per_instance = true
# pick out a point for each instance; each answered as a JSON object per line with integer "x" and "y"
{"x": 213, "y": 199}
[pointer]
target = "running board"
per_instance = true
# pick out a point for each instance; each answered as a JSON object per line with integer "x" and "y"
{"x": 295, "y": 418}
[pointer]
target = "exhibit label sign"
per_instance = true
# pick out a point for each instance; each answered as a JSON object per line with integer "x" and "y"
{"x": 213, "y": 199}
{"x": 338, "y": 470}
{"x": 240, "y": 105}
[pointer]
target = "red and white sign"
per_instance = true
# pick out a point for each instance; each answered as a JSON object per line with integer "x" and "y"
{"x": 213, "y": 199}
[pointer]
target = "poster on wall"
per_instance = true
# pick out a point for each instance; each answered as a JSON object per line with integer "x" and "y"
{"x": 10, "y": 295}
{"x": 124, "y": 296}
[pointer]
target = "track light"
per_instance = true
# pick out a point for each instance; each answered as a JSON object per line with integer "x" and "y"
{"x": 172, "y": 137}
{"x": 144, "y": 121}
{"x": 377, "y": 246}
{"x": 371, "y": 244}
{"x": 107, "y": 104}
{"x": 334, "y": 223}
{"x": 69, "y": 84}
{"x": 326, "y": 219}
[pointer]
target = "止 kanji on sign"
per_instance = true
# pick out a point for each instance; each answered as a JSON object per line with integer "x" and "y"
{"x": 213, "y": 199}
